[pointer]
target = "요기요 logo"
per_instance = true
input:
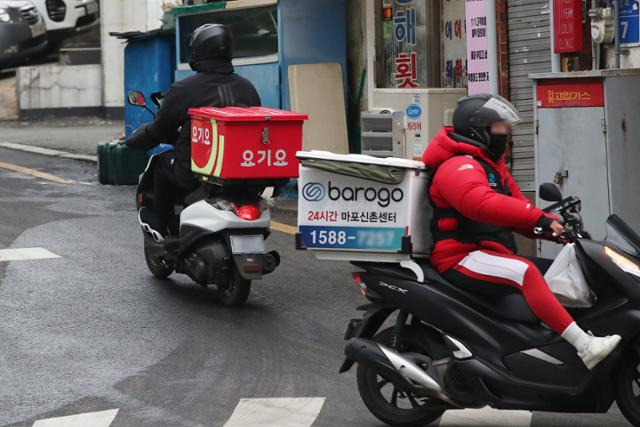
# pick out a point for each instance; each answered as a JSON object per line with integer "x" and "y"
{"x": 313, "y": 192}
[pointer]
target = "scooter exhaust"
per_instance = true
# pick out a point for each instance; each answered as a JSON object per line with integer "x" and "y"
{"x": 396, "y": 368}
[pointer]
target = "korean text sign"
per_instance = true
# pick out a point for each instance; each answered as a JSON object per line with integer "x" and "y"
{"x": 478, "y": 64}
{"x": 563, "y": 93}
{"x": 347, "y": 213}
{"x": 567, "y": 24}
{"x": 629, "y": 28}
{"x": 405, "y": 44}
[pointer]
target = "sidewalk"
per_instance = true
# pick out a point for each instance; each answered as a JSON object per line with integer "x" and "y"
{"x": 77, "y": 135}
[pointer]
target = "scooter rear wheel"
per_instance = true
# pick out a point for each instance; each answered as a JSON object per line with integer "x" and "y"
{"x": 390, "y": 405}
{"x": 628, "y": 388}
{"x": 158, "y": 267}
{"x": 236, "y": 292}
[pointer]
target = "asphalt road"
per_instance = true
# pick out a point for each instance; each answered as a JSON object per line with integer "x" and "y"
{"x": 77, "y": 135}
{"x": 93, "y": 331}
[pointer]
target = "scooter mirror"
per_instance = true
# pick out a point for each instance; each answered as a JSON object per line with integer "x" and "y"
{"x": 137, "y": 98}
{"x": 156, "y": 98}
{"x": 550, "y": 192}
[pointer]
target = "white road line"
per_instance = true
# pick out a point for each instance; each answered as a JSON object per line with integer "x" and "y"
{"x": 26, "y": 254}
{"x": 276, "y": 412}
{"x": 485, "y": 417}
{"x": 48, "y": 152}
{"x": 90, "y": 419}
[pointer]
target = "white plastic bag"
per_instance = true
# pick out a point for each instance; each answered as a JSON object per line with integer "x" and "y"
{"x": 566, "y": 280}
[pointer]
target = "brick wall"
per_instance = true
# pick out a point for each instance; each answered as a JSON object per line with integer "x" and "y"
{"x": 503, "y": 47}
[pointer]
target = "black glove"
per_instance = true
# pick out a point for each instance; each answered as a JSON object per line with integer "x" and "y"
{"x": 141, "y": 140}
{"x": 544, "y": 223}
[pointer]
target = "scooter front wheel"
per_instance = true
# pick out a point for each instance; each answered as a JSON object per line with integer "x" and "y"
{"x": 236, "y": 292}
{"x": 628, "y": 387}
{"x": 157, "y": 266}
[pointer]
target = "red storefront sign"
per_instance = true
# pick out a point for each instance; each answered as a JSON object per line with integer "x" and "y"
{"x": 567, "y": 26}
{"x": 561, "y": 93}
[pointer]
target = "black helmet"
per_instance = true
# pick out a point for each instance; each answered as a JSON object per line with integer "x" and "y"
{"x": 210, "y": 41}
{"x": 475, "y": 114}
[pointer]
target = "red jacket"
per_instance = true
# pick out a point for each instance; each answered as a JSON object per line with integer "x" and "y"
{"x": 461, "y": 183}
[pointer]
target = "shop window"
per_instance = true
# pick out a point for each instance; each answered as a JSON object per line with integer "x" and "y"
{"x": 255, "y": 30}
{"x": 401, "y": 40}
{"x": 454, "y": 44}
{"x": 420, "y": 44}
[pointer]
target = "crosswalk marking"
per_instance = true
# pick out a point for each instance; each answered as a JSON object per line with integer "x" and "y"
{"x": 276, "y": 412}
{"x": 26, "y": 254}
{"x": 90, "y": 419}
{"x": 485, "y": 417}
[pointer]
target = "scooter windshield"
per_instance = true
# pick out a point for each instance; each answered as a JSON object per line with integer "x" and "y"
{"x": 622, "y": 236}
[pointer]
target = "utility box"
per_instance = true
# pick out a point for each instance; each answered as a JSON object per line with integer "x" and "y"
{"x": 361, "y": 208}
{"x": 425, "y": 112}
{"x": 236, "y": 143}
{"x": 383, "y": 134}
{"x": 588, "y": 143}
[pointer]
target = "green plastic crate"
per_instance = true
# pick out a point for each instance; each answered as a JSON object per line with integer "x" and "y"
{"x": 119, "y": 165}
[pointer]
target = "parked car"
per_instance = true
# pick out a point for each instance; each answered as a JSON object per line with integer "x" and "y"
{"x": 22, "y": 31}
{"x": 64, "y": 18}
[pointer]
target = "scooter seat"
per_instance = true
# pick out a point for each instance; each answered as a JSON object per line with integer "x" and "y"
{"x": 510, "y": 306}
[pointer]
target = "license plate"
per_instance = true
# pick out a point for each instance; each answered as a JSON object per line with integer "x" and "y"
{"x": 38, "y": 29}
{"x": 92, "y": 8}
{"x": 247, "y": 245}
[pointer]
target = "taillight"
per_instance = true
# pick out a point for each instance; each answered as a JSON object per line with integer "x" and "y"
{"x": 357, "y": 278}
{"x": 247, "y": 212}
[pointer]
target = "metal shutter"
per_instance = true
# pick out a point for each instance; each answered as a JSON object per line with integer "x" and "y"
{"x": 529, "y": 52}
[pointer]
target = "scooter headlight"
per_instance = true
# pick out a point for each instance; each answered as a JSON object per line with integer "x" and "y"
{"x": 4, "y": 15}
{"x": 623, "y": 262}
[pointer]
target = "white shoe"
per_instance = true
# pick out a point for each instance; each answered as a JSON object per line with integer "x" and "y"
{"x": 597, "y": 349}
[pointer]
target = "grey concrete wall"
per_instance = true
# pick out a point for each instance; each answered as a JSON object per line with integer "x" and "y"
{"x": 122, "y": 16}
{"x": 59, "y": 86}
{"x": 629, "y": 60}
{"x": 8, "y": 101}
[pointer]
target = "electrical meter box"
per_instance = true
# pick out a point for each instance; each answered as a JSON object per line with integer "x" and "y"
{"x": 588, "y": 143}
{"x": 363, "y": 208}
{"x": 236, "y": 143}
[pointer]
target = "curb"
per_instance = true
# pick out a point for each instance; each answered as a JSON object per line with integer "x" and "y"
{"x": 48, "y": 152}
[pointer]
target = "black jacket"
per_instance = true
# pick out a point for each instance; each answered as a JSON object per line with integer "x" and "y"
{"x": 215, "y": 85}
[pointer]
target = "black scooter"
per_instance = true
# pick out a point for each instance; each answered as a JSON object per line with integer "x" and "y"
{"x": 451, "y": 349}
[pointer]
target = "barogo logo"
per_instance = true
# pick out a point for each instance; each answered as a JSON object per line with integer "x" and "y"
{"x": 315, "y": 192}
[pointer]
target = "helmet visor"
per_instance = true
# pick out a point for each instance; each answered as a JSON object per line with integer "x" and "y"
{"x": 504, "y": 109}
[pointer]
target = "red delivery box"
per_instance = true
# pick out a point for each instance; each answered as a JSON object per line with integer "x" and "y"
{"x": 245, "y": 143}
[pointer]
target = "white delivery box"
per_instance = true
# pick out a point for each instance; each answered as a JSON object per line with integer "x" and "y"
{"x": 362, "y": 208}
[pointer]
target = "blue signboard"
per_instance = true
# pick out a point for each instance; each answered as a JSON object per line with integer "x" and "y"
{"x": 629, "y": 25}
{"x": 344, "y": 238}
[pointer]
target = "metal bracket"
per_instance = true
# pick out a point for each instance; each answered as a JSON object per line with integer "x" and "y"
{"x": 560, "y": 176}
{"x": 414, "y": 267}
{"x": 265, "y": 136}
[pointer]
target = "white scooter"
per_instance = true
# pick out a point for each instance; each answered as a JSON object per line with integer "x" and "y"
{"x": 221, "y": 237}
